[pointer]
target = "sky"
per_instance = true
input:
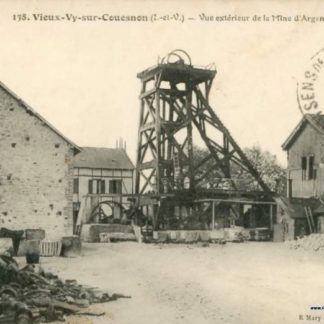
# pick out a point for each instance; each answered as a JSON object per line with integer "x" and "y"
{"x": 82, "y": 76}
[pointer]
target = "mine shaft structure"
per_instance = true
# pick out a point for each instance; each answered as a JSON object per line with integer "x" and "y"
{"x": 174, "y": 103}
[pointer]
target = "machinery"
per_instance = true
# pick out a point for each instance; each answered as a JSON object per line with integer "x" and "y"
{"x": 175, "y": 186}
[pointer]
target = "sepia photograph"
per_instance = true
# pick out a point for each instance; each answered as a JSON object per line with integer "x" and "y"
{"x": 161, "y": 162}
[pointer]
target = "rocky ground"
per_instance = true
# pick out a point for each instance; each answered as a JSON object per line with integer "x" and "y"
{"x": 233, "y": 283}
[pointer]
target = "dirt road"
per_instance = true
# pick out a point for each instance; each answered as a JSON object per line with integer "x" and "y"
{"x": 236, "y": 283}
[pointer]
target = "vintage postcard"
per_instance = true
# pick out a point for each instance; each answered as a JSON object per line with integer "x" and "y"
{"x": 162, "y": 162}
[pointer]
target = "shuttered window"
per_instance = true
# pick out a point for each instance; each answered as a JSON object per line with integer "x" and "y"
{"x": 304, "y": 167}
{"x": 115, "y": 186}
{"x": 103, "y": 186}
{"x": 97, "y": 186}
{"x": 76, "y": 185}
{"x": 90, "y": 187}
{"x": 310, "y": 167}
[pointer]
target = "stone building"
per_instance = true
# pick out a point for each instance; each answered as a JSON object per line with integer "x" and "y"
{"x": 36, "y": 172}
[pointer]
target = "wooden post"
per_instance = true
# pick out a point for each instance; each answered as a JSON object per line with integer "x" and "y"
{"x": 271, "y": 217}
{"x": 139, "y": 142}
{"x": 213, "y": 215}
{"x": 158, "y": 141}
{"x": 188, "y": 101}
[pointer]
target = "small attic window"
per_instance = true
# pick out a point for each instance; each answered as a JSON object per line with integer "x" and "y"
{"x": 57, "y": 145}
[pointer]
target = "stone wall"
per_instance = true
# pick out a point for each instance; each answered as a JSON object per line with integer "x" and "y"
{"x": 36, "y": 172}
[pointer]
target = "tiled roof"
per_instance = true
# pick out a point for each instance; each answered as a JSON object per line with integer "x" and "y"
{"x": 103, "y": 158}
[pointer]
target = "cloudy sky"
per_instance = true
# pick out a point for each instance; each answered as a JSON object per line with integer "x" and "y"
{"x": 82, "y": 76}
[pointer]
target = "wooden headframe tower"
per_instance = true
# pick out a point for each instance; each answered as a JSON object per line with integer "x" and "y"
{"x": 175, "y": 100}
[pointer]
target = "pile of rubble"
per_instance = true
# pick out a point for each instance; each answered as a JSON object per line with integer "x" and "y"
{"x": 313, "y": 242}
{"x": 31, "y": 295}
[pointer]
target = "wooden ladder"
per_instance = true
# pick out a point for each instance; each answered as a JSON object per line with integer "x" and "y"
{"x": 310, "y": 219}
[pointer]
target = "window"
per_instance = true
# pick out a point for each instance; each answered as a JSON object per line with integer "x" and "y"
{"x": 308, "y": 169}
{"x": 289, "y": 188}
{"x": 76, "y": 185}
{"x": 304, "y": 167}
{"x": 96, "y": 186}
{"x": 102, "y": 186}
{"x": 115, "y": 186}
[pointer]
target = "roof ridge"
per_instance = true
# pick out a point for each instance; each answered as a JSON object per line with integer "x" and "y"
{"x": 102, "y": 158}
{"x": 28, "y": 108}
{"x": 306, "y": 118}
{"x": 102, "y": 147}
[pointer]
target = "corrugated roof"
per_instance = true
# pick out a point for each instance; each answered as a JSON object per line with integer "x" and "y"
{"x": 316, "y": 120}
{"x": 37, "y": 115}
{"x": 103, "y": 158}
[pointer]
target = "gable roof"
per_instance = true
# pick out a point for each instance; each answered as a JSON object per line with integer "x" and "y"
{"x": 315, "y": 120}
{"x": 30, "y": 110}
{"x": 103, "y": 158}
